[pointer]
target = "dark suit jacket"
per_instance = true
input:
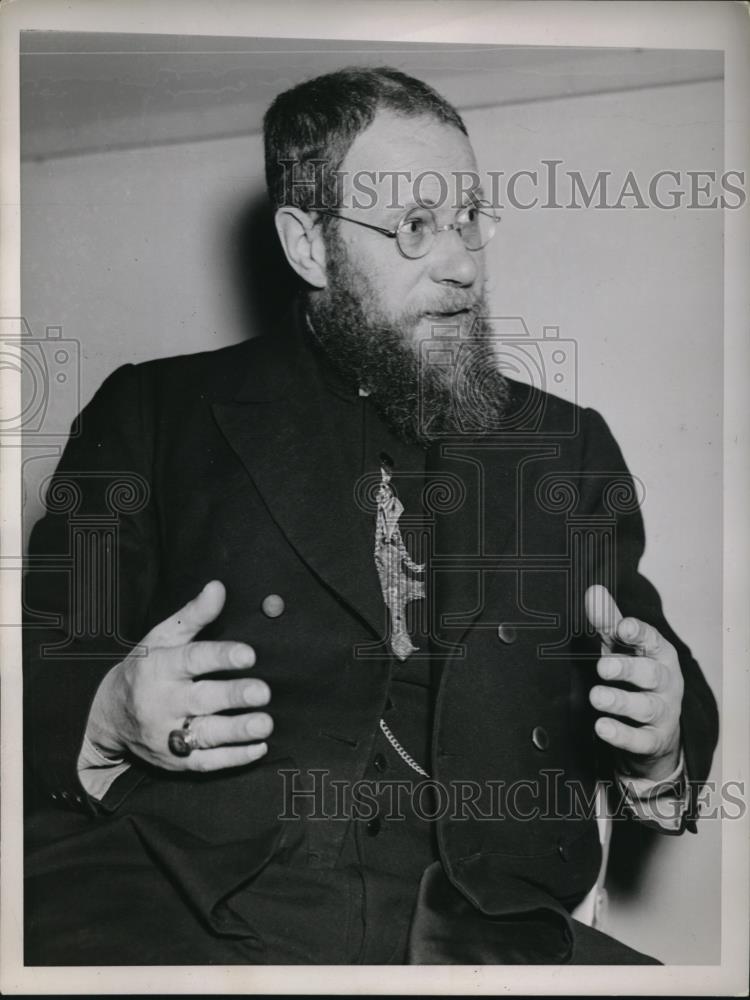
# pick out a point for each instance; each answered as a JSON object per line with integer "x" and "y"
{"x": 225, "y": 465}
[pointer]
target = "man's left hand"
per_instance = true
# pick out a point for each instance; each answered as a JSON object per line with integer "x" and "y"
{"x": 646, "y": 727}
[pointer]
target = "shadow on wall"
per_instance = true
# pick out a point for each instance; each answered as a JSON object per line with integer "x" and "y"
{"x": 264, "y": 282}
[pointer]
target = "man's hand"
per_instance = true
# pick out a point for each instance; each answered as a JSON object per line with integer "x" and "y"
{"x": 143, "y": 698}
{"x": 652, "y": 747}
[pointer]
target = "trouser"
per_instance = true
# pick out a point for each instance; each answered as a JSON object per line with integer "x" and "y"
{"x": 94, "y": 896}
{"x": 103, "y": 901}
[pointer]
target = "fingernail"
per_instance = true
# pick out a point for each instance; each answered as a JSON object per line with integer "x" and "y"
{"x": 242, "y": 656}
{"x": 604, "y": 697}
{"x": 628, "y": 629}
{"x": 259, "y": 726}
{"x": 605, "y": 728}
{"x": 609, "y": 669}
{"x": 255, "y": 693}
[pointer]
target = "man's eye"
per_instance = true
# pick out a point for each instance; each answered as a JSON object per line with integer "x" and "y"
{"x": 413, "y": 227}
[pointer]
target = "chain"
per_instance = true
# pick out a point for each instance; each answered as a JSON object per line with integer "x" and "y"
{"x": 401, "y": 752}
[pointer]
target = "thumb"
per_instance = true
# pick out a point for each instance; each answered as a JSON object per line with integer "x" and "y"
{"x": 185, "y": 624}
{"x": 603, "y": 614}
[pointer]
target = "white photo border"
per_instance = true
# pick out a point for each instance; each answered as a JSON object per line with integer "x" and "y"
{"x": 699, "y": 25}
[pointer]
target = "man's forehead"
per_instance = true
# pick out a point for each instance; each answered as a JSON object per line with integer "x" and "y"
{"x": 416, "y": 148}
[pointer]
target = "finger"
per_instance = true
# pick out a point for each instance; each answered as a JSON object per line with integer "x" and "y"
{"x": 641, "y": 671}
{"x": 186, "y": 623}
{"x": 643, "y": 740}
{"x": 223, "y": 730}
{"x": 603, "y": 614}
{"x": 209, "y": 697}
{"x": 198, "y": 658}
{"x": 217, "y": 758}
{"x": 643, "y": 637}
{"x": 639, "y": 706}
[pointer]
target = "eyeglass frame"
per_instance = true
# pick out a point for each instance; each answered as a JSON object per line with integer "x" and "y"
{"x": 393, "y": 233}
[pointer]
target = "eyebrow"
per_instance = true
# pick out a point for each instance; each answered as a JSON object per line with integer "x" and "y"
{"x": 474, "y": 194}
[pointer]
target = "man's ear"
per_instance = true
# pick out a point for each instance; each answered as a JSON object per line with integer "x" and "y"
{"x": 303, "y": 245}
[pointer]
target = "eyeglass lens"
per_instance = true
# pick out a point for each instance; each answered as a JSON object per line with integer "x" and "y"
{"x": 418, "y": 230}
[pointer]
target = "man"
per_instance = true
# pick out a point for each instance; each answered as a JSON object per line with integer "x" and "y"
{"x": 351, "y": 559}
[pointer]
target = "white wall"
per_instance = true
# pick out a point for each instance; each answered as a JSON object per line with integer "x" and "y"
{"x": 642, "y": 294}
{"x": 129, "y": 252}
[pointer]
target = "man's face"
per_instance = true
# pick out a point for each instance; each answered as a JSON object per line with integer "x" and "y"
{"x": 379, "y": 306}
{"x": 448, "y": 281}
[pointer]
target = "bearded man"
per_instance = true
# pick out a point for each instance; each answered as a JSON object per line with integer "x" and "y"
{"x": 352, "y": 559}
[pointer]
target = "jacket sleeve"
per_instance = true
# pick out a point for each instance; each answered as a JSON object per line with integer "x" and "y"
{"x": 611, "y": 491}
{"x": 90, "y": 571}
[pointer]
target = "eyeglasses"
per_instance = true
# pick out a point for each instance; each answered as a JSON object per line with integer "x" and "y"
{"x": 417, "y": 230}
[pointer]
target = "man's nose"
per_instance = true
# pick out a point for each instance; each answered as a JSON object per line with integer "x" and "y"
{"x": 452, "y": 263}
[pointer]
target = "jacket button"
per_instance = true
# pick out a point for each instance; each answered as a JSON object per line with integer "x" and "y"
{"x": 273, "y": 606}
{"x": 380, "y": 762}
{"x": 540, "y": 737}
{"x": 562, "y": 850}
{"x": 506, "y": 633}
{"x": 373, "y": 826}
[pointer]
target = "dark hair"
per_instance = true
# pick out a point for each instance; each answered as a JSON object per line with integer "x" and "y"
{"x": 307, "y": 131}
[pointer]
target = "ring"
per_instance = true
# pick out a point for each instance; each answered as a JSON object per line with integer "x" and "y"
{"x": 182, "y": 742}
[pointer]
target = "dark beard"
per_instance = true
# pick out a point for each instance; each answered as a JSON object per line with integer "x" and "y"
{"x": 448, "y": 384}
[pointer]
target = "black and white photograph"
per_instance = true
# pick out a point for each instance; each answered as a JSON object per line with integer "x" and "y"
{"x": 374, "y": 461}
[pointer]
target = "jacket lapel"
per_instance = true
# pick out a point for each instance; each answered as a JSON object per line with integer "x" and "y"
{"x": 281, "y": 428}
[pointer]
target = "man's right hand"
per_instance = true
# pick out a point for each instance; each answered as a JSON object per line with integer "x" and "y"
{"x": 143, "y": 698}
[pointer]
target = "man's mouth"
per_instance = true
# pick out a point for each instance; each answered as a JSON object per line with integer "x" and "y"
{"x": 447, "y": 314}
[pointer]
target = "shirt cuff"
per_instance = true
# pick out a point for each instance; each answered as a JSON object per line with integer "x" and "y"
{"x": 661, "y": 803}
{"x": 96, "y": 772}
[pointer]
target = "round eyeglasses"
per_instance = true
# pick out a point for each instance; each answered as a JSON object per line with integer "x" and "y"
{"x": 417, "y": 230}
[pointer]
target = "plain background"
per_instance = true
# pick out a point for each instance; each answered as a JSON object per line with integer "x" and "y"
{"x": 144, "y": 234}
